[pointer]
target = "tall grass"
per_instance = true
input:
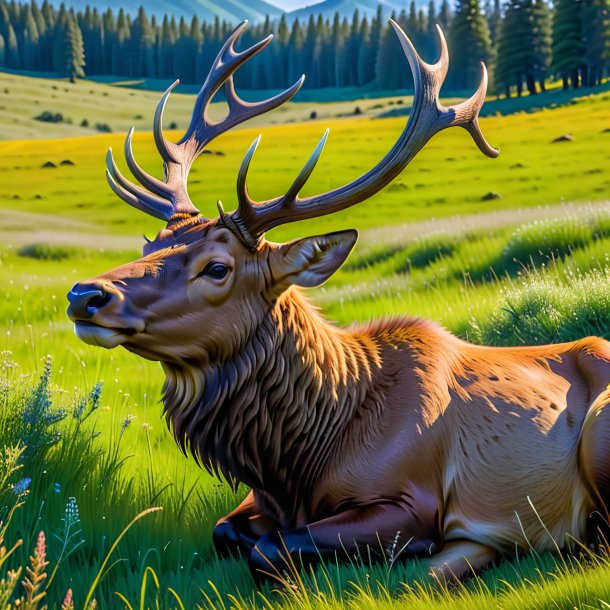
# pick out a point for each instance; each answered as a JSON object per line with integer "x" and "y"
{"x": 541, "y": 241}
{"x": 551, "y": 307}
{"x": 77, "y": 486}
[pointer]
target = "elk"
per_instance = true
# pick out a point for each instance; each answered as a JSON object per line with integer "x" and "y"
{"x": 346, "y": 436}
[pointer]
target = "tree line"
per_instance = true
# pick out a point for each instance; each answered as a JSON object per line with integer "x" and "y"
{"x": 523, "y": 43}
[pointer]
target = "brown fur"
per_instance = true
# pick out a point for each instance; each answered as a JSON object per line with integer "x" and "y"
{"x": 363, "y": 432}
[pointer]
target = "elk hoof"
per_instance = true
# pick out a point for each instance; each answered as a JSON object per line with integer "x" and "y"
{"x": 271, "y": 560}
{"x": 227, "y": 541}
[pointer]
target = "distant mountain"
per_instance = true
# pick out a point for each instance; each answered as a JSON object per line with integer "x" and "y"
{"x": 233, "y": 11}
{"x": 346, "y": 8}
{"x": 292, "y": 5}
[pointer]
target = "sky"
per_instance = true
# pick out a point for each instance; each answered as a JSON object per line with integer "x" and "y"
{"x": 290, "y": 5}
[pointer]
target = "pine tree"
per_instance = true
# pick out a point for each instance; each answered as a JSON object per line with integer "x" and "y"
{"x": 493, "y": 14}
{"x": 431, "y": 47}
{"x": 121, "y": 61}
{"x": 74, "y": 51}
{"x": 391, "y": 73}
{"x": 109, "y": 40}
{"x": 143, "y": 42}
{"x": 524, "y": 46}
{"x": 311, "y": 51}
{"x": 568, "y": 42}
{"x": 542, "y": 40}
{"x": 445, "y": 16}
{"x": 365, "y": 61}
{"x": 469, "y": 43}
{"x": 297, "y": 64}
{"x": 57, "y": 43}
{"x": 513, "y": 50}
{"x": 31, "y": 43}
{"x": 596, "y": 34}
{"x": 351, "y": 49}
{"x": 280, "y": 74}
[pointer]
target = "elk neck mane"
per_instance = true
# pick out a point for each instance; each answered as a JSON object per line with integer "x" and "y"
{"x": 278, "y": 404}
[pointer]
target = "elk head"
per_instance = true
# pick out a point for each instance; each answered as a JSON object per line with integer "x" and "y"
{"x": 203, "y": 284}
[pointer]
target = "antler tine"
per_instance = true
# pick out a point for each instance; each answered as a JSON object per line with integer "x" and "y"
{"x": 292, "y": 196}
{"x": 427, "y": 117}
{"x": 240, "y": 111}
{"x": 244, "y": 202}
{"x": 150, "y": 182}
{"x": 164, "y": 146}
{"x": 466, "y": 115}
{"x": 178, "y": 157}
{"x": 133, "y": 194}
{"x": 202, "y": 129}
{"x": 169, "y": 198}
{"x": 247, "y": 206}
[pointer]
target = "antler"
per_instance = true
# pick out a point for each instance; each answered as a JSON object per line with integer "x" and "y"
{"x": 427, "y": 117}
{"x": 169, "y": 197}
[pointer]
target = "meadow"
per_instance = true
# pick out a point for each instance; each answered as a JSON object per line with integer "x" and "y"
{"x": 506, "y": 251}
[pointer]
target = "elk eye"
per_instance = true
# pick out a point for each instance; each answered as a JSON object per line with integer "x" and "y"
{"x": 217, "y": 271}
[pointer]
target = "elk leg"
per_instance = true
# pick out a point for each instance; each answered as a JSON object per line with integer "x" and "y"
{"x": 594, "y": 460}
{"x": 353, "y": 534}
{"x": 237, "y": 533}
{"x": 459, "y": 559}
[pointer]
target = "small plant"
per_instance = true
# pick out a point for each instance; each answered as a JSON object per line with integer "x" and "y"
{"x": 540, "y": 242}
{"x": 36, "y": 575}
{"x": 50, "y": 117}
{"x": 551, "y": 308}
{"x": 47, "y": 252}
{"x": 39, "y": 417}
{"x": 70, "y": 535}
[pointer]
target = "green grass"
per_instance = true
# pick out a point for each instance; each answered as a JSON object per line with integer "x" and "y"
{"x": 121, "y": 460}
{"x": 448, "y": 178}
{"x": 121, "y": 103}
{"x": 133, "y": 464}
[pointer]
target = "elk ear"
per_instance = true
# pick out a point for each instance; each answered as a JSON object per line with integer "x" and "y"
{"x": 311, "y": 261}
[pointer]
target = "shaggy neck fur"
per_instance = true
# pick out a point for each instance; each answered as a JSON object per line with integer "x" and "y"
{"x": 280, "y": 405}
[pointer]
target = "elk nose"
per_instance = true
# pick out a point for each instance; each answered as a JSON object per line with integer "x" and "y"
{"x": 86, "y": 299}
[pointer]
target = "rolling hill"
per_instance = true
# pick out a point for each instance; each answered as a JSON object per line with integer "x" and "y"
{"x": 255, "y": 11}
{"x": 346, "y": 8}
{"x": 229, "y": 10}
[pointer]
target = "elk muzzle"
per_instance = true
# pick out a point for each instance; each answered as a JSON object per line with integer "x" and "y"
{"x": 98, "y": 310}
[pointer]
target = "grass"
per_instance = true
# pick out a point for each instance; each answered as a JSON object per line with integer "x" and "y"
{"x": 35, "y": 108}
{"x": 107, "y": 446}
{"x": 531, "y": 171}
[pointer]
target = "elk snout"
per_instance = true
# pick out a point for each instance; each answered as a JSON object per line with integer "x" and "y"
{"x": 98, "y": 310}
{"x": 86, "y": 300}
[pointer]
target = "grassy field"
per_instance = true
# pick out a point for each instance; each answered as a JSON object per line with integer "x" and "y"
{"x": 112, "y": 104}
{"x": 531, "y": 266}
{"x": 118, "y": 105}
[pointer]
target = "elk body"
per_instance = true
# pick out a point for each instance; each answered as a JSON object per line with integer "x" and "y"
{"x": 347, "y": 436}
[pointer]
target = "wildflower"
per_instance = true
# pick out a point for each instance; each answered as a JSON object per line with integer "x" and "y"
{"x": 57, "y": 488}
{"x": 20, "y": 488}
{"x": 6, "y": 360}
{"x": 68, "y": 603}
{"x": 126, "y": 422}
{"x": 32, "y": 583}
{"x": 72, "y": 516}
{"x": 147, "y": 427}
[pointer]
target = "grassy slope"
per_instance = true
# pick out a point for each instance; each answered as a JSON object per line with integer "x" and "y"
{"x": 449, "y": 177}
{"x": 32, "y": 302}
{"x": 125, "y": 102}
